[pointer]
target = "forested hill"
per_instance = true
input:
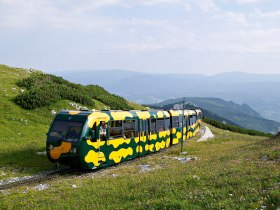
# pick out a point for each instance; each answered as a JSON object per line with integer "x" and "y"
{"x": 34, "y": 89}
{"x": 228, "y": 111}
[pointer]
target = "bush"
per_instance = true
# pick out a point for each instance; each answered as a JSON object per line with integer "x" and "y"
{"x": 114, "y": 101}
{"x": 45, "y": 89}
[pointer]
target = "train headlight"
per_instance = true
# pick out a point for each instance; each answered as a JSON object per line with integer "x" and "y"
{"x": 51, "y": 147}
{"x": 73, "y": 150}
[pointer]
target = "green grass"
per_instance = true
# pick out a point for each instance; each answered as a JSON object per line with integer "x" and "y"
{"x": 230, "y": 173}
{"x": 233, "y": 171}
{"x": 23, "y": 132}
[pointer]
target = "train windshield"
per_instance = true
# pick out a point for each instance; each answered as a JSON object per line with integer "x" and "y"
{"x": 66, "y": 131}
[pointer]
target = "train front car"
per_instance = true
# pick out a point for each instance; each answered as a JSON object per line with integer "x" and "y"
{"x": 65, "y": 135}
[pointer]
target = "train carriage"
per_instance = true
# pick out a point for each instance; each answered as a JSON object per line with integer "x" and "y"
{"x": 91, "y": 139}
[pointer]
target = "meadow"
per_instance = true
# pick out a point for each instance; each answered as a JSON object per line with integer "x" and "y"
{"x": 230, "y": 171}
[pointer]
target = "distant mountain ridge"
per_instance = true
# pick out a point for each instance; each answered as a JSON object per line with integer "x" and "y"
{"x": 232, "y": 113}
{"x": 259, "y": 91}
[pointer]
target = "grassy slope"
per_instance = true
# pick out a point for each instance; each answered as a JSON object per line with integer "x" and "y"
{"x": 23, "y": 132}
{"x": 233, "y": 171}
{"x": 230, "y": 172}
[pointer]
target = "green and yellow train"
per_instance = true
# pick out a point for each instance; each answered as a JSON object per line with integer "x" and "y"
{"x": 94, "y": 139}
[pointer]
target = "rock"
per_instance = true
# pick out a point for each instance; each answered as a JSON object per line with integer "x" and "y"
{"x": 265, "y": 157}
{"x": 145, "y": 168}
{"x": 74, "y": 186}
{"x": 41, "y": 187}
{"x": 114, "y": 175}
{"x": 184, "y": 159}
{"x": 44, "y": 153}
{"x": 5, "y": 192}
{"x": 207, "y": 135}
{"x": 13, "y": 179}
{"x": 196, "y": 177}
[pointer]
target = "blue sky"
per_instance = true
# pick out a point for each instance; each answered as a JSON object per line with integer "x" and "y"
{"x": 183, "y": 36}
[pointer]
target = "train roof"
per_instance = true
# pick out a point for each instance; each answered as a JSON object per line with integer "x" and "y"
{"x": 126, "y": 114}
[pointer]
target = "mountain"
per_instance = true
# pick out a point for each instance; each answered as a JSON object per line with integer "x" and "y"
{"x": 228, "y": 111}
{"x": 259, "y": 91}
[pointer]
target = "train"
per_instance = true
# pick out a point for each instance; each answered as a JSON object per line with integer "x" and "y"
{"x": 96, "y": 139}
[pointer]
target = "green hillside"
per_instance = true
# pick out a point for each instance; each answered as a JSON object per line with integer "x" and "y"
{"x": 23, "y": 131}
{"x": 232, "y": 171}
{"x": 241, "y": 115}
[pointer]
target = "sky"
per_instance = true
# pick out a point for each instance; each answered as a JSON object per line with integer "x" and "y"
{"x": 159, "y": 36}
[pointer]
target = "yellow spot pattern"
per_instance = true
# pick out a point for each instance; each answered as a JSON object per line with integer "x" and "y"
{"x": 153, "y": 137}
{"x": 139, "y": 149}
{"x": 95, "y": 157}
{"x": 160, "y": 145}
{"x": 142, "y": 138}
{"x": 96, "y": 144}
{"x": 184, "y": 131}
{"x": 122, "y": 153}
{"x": 143, "y": 115}
{"x": 97, "y": 116}
{"x": 57, "y": 151}
{"x": 118, "y": 142}
{"x": 168, "y": 142}
{"x": 160, "y": 114}
{"x": 164, "y": 134}
{"x": 149, "y": 147}
{"x": 179, "y": 135}
{"x": 121, "y": 115}
{"x": 175, "y": 141}
{"x": 74, "y": 112}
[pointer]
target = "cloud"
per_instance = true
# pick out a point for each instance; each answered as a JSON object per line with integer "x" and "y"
{"x": 247, "y": 1}
{"x": 208, "y": 28}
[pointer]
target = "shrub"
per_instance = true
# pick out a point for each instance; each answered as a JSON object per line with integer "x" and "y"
{"x": 45, "y": 89}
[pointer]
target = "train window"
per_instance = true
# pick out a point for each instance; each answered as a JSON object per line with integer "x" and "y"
{"x": 74, "y": 131}
{"x": 153, "y": 126}
{"x": 129, "y": 125}
{"x": 175, "y": 122}
{"x": 180, "y": 120}
{"x": 129, "y": 128}
{"x": 160, "y": 125}
{"x": 115, "y": 129}
{"x": 63, "y": 130}
{"x": 191, "y": 120}
{"x": 167, "y": 123}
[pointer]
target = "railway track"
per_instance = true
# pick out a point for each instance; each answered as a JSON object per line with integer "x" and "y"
{"x": 56, "y": 173}
{"x": 37, "y": 178}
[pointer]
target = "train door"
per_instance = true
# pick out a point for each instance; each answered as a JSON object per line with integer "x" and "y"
{"x": 149, "y": 147}
{"x": 187, "y": 126}
{"x": 102, "y": 134}
{"x": 143, "y": 137}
